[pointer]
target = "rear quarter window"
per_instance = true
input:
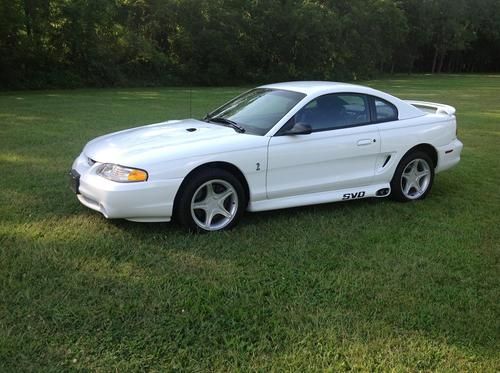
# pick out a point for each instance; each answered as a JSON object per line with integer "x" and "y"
{"x": 385, "y": 111}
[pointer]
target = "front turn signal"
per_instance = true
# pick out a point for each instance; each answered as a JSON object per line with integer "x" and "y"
{"x": 137, "y": 175}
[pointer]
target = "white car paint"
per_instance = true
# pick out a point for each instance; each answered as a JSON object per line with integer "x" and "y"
{"x": 280, "y": 171}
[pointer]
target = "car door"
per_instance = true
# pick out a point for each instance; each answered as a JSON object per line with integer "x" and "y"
{"x": 340, "y": 152}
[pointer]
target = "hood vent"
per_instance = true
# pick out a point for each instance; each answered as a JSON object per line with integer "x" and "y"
{"x": 190, "y": 129}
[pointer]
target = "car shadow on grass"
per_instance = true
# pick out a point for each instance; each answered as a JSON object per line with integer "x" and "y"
{"x": 251, "y": 218}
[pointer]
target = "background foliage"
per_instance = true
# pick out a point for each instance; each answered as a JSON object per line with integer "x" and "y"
{"x": 67, "y": 43}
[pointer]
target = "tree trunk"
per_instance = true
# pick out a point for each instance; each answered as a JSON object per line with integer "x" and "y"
{"x": 28, "y": 20}
{"x": 434, "y": 61}
{"x": 460, "y": 63}
{"x": 411, "y": 64}
{"x": 441, "y": 60}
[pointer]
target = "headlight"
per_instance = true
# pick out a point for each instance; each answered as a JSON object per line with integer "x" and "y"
{"x": 121, "y": 174}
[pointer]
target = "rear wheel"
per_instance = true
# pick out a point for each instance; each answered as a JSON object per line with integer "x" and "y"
{"x": 413, "y": 177}
{"x": 212, "y": 200}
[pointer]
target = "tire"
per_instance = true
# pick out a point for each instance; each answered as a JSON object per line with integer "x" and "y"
{"x": 210, "y": 200}
{"x": 413, "y": 177}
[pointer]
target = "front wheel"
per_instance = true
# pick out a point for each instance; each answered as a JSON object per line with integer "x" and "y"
{"x": 413, "y": 177}
{"x": 212, "y": 200}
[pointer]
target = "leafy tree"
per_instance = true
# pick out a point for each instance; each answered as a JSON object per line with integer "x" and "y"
{"x": 64, "y": 43}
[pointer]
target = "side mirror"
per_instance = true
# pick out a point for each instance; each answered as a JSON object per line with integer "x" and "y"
{"x": 299, "y": 128}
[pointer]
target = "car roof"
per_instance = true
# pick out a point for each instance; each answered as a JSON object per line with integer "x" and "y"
{"x": 316, "y": 88}
{"x": 313, "y": 87}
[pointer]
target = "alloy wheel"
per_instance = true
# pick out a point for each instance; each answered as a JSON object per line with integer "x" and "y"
{"x": 415, "y": 178}
{"x": 214, "y": 205}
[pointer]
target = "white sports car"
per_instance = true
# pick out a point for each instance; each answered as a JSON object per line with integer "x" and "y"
{"x": 276, "y": 146}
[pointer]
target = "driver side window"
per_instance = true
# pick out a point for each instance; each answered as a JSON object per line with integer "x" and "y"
{"x": 333, "y": 111}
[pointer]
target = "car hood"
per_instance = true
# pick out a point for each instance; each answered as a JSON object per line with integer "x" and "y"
{"x": 165, "y": 137}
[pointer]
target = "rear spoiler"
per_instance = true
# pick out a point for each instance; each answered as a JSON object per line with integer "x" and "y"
{"x": 432, "y": 107}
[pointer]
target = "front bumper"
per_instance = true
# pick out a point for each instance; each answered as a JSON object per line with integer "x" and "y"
{"x": 147, "y": 201}
{"x": 449, "y": 155}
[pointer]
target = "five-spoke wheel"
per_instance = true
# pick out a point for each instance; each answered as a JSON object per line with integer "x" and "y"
{"x": 214, "y": 205}
{"x": 413, "y": 177}
{"x": 211, "y": 200}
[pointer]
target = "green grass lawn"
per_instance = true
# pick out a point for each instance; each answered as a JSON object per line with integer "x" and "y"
{"x": 364, "y": 285}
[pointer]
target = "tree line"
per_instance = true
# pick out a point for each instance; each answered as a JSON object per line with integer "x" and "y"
{"x": 71, "y": 43}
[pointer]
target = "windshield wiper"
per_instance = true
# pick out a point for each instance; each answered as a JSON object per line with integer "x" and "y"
{"x": 228, "y": 122}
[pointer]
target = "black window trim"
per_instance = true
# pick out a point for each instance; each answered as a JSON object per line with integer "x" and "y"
{"x": 371, "y": 113}
{"x": 373, "y": 110}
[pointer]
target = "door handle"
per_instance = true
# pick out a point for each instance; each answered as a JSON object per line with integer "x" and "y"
{"x": 365, "y": 142}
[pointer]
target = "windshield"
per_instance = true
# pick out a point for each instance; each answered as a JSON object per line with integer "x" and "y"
{"x": 258, "y": 110}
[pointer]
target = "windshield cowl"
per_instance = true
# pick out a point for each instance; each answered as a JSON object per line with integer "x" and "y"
{"x": 226, "y": 122}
